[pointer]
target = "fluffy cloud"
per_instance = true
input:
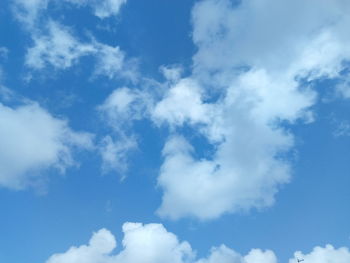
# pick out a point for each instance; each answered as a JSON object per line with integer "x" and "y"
{"x": 250, "y": 75}
{"x": 249, "y": 34}
{"x": 151, "y": 243}
{"x": 32, "y": 141}
{"x": 247, "y": 166}
{"x": 328, "y": 254}
{"x": 100, "y": 245}
{"x": 124, "y": 104}
{"x": 183, "y": 102}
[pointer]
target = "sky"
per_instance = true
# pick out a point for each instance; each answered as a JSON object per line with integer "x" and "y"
{"x": 188, "y": 131}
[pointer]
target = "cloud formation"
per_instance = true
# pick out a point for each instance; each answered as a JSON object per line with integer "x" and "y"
{"x": 28, "y": 11}
{"x": 57, "y": 47}
{"x": 118, "y": 111}
{"x": 152, "y": 243}
{"x": 251, "y": 75}
{"x": 33, "y": 141}
{"x": 327, "y": 254}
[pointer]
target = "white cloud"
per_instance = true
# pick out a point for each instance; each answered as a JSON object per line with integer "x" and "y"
{"x": 29, "y": 11}
{"x": 119, "y": 110}
{"x": 124, "y": 105}
{"x": 101, "y": 8}
{"x": 107, "y": 8}
{"x": 115, "y": 153}
{"x": 58, "y": 48}
{"x": 250, "y": 35}
{"x": 247, "y": 167}
{"x": 33, "y": 141}
{"x": 183, "y": 102}
{"x": 97, "y": 251}
{"x": 55, "y": 45}
{"x": 247, "y": 78}
{"x": 172, "y": 73}
{"x": 328, "y": 254}
{"x": 151, "y": 243}
{"x": 112, "y": 63}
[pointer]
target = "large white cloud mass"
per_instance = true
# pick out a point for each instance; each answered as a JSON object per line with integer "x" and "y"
{"x": 253, "y": 71}
{"x": 152, "y": 243}
{"x": 32, "y": 141}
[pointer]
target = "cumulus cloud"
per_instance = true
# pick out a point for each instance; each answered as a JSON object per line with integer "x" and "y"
{"x": 327, "y": 254}
{"x": 100, "y": 245}
{"x": 249, "y": 35}
{"x": 247, "y": 166}
{"x": 151, "y": 243}
{"x": 183, "y": 102}
{"x": 33, "y": 141}
{"x": 250, "y": 75}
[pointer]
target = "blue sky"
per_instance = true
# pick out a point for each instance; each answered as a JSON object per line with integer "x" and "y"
{"x": 207, "y": 131}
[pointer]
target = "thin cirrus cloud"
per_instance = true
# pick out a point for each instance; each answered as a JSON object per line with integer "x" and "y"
{"x": 29, "y": 11}
{"x": 152, "y": 243}
{"x": 119, "y": 110}
{"x": 56, "y": 46}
